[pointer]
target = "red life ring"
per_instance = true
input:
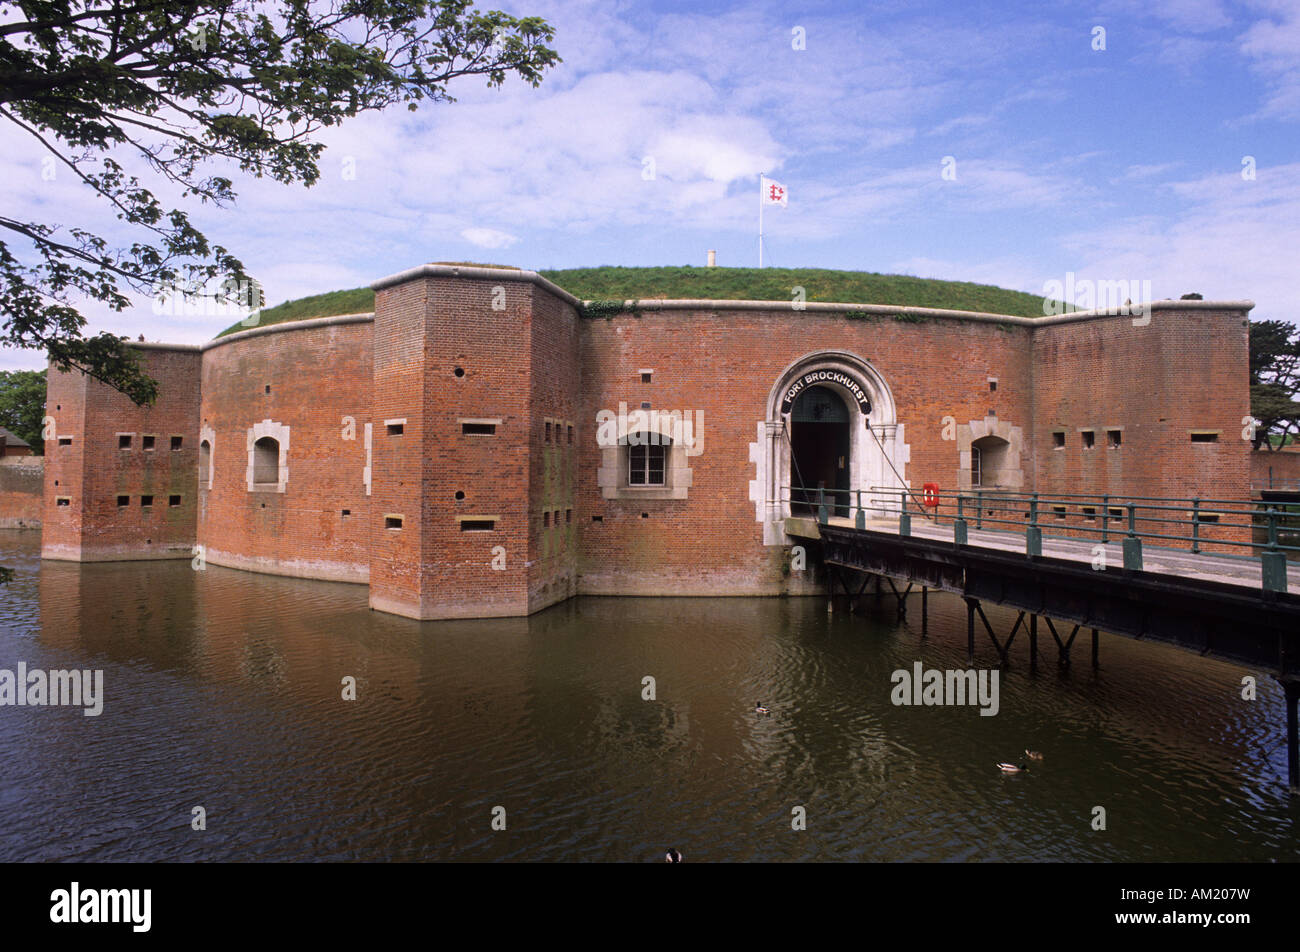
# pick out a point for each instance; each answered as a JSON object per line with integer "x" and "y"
{"x": 931, "y": 494}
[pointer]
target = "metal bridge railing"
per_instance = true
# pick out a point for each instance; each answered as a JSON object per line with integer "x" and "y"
{"x": 1269, "y": 529}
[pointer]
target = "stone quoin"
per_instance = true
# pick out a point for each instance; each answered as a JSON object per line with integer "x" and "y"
{"x": 444, "y": 450}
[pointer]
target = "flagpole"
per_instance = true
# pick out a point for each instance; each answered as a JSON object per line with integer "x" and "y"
{"x": 760, "y": 219}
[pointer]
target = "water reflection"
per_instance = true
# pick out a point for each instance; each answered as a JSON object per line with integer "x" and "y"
{"x": 224, "y": 689}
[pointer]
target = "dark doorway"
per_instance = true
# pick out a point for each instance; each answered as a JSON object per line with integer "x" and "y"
{"x": 819, "y": 452}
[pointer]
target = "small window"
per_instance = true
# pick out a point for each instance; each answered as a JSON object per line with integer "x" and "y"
{"x": 147, "y": 443}
{"x": 346, "y": 513}
{"x": 568, "y": 515}
{"x": 392, "y": 522}
{"x": 1207, "y": 517}
{"x": 1089, "y": 513}
{"x": 548, "y": 431}
{"x": 993, "y": 386}
{"x": 459, "y": 371}
{"x": 1205, "y": 437}
{"x": 645, "y": 404}
{"x": 268, "y": 388}
{"x": 123, "y": 501}
{"x": 205, "y": 463}
{"x": 1058, "y": 439}
{"x": 63, "y": 501}
{"x": 487, "y": 429}
{"x": 124, "y": 441}
{"x": 65, "y": 441}
{"x": 645, "y": 376}
{"x": 173, "y": 501}
{"x": 597, "y": 518}
{"x": 1059, "y": 511}
{"x": 1116, "y": 512}
{"x": 570, "y": 434}
{"x": 146, "y": 502}
{"x": 546, "y": 519}
{"x": 1114, "y": 438}
{"x": 1089, "y": 439}
{"x": 477, "y": 525}
{"x": 178, "y": 442}
{"x": 396, "y": 429}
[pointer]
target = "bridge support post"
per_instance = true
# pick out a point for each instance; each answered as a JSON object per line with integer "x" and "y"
{"x": 1132, "y": 543}
{"x": 1033, "y": 642}
{"x": 1291, "y": 688}
{"x": 1094, "y": 649}
{"x": 925, "y": 609}
{"x": 970, "y": 629}
{"x": 1133, "y": 553}
{"x": 1273, "y": 562}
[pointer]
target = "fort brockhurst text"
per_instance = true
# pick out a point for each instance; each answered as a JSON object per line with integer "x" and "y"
{"x": 37, "y": 688}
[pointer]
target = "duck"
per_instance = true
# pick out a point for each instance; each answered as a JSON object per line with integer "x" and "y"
{"x": 759, "y": 709}
{"x": 1034, "y": 754}
{"x": 672, "y": 856}
{"x": 1012, "y": 768}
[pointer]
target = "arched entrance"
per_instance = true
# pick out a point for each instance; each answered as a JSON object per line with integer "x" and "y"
{"x": 876, "y": 459}
{"x": 819, "y": 452}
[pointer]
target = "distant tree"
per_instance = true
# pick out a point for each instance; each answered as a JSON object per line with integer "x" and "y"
{"x": 108, "y": 85}
{"x": 1275, "y": 381}
{"x": 22, "y": 404}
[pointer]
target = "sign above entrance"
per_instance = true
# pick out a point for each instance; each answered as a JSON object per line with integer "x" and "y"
{"x": 815, "y": 377}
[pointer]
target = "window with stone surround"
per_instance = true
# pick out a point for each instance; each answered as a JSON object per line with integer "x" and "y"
{"x": 646, "y": 465}
{"x": 268, "y": 457}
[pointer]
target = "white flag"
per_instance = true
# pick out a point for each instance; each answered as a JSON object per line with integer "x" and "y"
{"x": 774, "y": 193}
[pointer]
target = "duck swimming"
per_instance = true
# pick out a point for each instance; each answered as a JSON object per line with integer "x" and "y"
{"x": 672, "y": 856}
{"x": 759, "y": 709}
{"x": 1012, "y": 768}
{"x": 1034, "y": 754}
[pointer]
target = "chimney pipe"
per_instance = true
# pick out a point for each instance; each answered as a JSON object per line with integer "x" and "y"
{"x": 713, "y": 259}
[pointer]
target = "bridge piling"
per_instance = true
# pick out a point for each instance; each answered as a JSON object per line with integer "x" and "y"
{"x": 1094, "y": 649}
{"x": 970, "y": 629}
{"x": 925, "y": 610}
{"x": 1033, "y": 642}
{"x": 1291, "y": 689}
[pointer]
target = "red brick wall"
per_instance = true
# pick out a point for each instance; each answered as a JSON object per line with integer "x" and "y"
{"x": 1185, "y": 370}
{"x": 553, "y": 474}
{"x": 527, "y": 359}
{"x": 399, "y": 462}
{"x": 1280, "y": 469}
{"x": 93, "y": 472}
{"x": 318, "y": 375}
{"x": 725, "y": 363}
{"x": 21, "y": 488}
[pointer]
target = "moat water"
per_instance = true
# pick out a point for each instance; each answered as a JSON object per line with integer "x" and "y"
{"x": 223, "y": 689}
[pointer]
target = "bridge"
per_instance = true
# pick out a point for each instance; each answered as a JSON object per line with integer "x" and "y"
{"x": 1146, "y": 568}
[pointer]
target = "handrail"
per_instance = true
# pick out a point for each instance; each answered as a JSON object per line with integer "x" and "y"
{"x": 1191, "y": 522}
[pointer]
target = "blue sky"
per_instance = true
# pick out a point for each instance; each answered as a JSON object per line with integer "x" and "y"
{"x": 1119, "y": 163}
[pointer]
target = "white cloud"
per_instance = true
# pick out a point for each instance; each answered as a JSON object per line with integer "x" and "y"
{"x": 488, "y": 237}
